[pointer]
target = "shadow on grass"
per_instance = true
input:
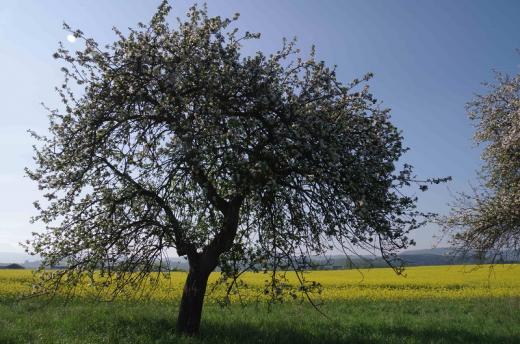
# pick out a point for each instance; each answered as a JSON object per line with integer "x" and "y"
{"x": 358, "y": 323}
{"x": 162, "y": 331}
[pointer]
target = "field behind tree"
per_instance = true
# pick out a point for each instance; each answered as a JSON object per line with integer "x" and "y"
{"x": 439, "y": 304}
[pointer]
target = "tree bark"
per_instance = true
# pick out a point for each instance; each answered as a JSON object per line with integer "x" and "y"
{"x": 190, "y": 310}
{"x": 201, "y": 265}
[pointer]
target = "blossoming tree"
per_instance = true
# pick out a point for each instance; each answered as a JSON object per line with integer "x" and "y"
{"x": 171, "y": 139}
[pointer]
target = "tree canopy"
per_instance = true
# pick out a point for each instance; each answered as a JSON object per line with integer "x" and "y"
{"x": 487, "y": 222}
{"x": 170, "y": 138}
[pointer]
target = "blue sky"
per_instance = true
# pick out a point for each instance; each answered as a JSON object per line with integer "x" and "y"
{"x": 429, "y": 58}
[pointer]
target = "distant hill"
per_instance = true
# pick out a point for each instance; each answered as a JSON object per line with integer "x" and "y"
{"x": 431, "y": 251}
{"x": 423, "y": 257}
{"x": 33, "y": 262}
{"x": 11, "y": 267}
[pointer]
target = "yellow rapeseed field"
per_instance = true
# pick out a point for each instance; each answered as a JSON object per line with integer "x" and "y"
{"x": 443, "y": 282}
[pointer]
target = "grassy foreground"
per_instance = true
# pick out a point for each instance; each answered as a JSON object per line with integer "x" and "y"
{"x": 355, "y": 321}
{"x": 449, "y": 304}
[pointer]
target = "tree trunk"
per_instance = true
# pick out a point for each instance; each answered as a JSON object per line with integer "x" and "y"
{"x": 190, "y": 311}
{"x": 201, "y": 265}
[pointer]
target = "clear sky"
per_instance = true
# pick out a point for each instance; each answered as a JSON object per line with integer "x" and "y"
{"x": 429, "y": 58}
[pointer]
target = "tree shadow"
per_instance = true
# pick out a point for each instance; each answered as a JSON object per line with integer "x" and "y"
{"x": 163, "y": 331}
{"x": 244, "y": 333}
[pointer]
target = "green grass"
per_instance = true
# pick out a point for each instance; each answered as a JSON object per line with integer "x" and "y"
{"x": 495, "y": 320}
